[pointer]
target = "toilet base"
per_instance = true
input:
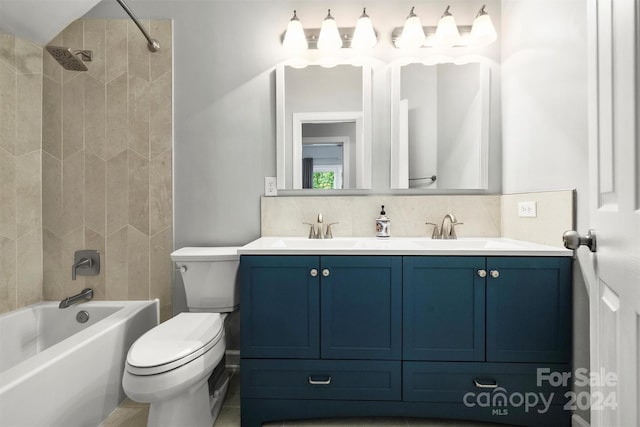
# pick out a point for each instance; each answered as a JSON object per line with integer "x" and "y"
{"x": 195, "y": 408}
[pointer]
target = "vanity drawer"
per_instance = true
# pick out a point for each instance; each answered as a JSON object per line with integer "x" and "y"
{"x": 321, "y": 379}
{"x": 460, "y": 382}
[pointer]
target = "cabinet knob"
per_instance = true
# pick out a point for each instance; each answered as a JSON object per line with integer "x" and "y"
{"x": 482, "y": 273}
{"x": 326, "y": 272}
{"x": 495, "y": 274}
{"x": 313, "y": 272}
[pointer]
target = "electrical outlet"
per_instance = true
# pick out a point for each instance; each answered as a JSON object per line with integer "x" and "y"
{"x": 527, "y": 210}
{"x": 270, "y": 188}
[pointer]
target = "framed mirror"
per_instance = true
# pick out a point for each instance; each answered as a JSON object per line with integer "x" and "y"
{"x": 323, "y": 127}
{"x": 440, "y": 126}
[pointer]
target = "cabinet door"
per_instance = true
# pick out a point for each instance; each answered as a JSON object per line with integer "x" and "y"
{"x": 361, "y": 307}
{"x": 444, "y": 308}
{"x": 529, "y": 309}
{"x": 280, "y": 306}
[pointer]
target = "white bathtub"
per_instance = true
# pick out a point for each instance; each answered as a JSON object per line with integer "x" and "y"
{"x": 55, "y": 371}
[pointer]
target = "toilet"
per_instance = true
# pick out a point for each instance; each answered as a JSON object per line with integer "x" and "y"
{"x": 178, "y": 366}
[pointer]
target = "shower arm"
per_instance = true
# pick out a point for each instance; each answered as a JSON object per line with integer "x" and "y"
{"x": 152, "y": 44}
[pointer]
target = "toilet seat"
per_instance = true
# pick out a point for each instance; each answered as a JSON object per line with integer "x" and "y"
{"x": 174, "y": 343}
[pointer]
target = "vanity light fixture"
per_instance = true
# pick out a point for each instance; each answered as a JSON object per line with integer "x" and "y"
{"x": 364, "y": 36}
{"x": 329, "y": 38}
{"x": 447, "y": 34}
{"x": 412, "y": 36}
{"x": 294, "y": 38}
{"x": 483, "y": 32}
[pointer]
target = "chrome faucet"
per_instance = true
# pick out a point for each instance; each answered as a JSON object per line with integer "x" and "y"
{"x": 85, "y": 295}
{"x": 448, "y": 233}
{"x": 316, "y": 231}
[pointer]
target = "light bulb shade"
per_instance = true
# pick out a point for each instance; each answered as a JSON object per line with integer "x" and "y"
{"x": 483, "y": 32}
{"x": 294, "y": 39}
{"x": 364, "y": 36}
{"x": 412, "y": 36}
{"x": 447, "y": 34}
{"x": 329, "y": 38}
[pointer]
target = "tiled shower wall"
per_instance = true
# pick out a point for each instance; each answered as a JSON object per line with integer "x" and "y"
{"x": 20, "y": 173}
{"x": 107, "y": 163}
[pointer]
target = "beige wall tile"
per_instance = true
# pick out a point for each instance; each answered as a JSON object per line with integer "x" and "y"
{"x": 73, "y": 192}
{"x": 53, "y": 269}
{"x": 28, "y": 193}
{"x": 138, "y": 53}
{"x": 160, "y": 193}
{"x": 95, "y": 41}
{"x": 8, "y": 203}
{"x": 116, "y": 48}
{"x": 161, "y": 61}
{"x": 161, "y": 279}
{"x": 94, "y": 117}
{"x": 8, "y": 286}
{"x": 95, "y": 201}
{"x": 139, "y": 192}
{"x": 29, "y": 268}
{"x": 8, "y": 104}
{"x": 117, "y": 126}
{"x": 117, "y": 192}
{"x": 138, "y": 264}
{"x": 116, "y": 266}
{"x": 52, "y": 117}
{"x": 52, "y": 194}
{"x": 28, "y": 57}
{"x": 73, "y": 116}
{"x": 160, "y": 119}
{"x": 94, "y": 240}
{"x": 28, "y": 113}
{"x": 8, "y": 51}
{"x": 139, "y": 113}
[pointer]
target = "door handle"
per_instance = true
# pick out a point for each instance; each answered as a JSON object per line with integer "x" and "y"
{"x": 573, "y": 240}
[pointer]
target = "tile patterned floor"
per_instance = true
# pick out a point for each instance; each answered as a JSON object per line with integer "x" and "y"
{"x": 133, "y": 414}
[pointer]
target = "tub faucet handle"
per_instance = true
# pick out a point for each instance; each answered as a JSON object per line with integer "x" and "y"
{"x": 86, "y": 263}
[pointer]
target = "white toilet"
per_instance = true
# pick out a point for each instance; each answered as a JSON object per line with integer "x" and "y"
{"x": 178, "y": 366}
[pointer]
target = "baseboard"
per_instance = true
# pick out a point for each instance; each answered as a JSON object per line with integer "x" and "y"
{"x": 578, "y": 421}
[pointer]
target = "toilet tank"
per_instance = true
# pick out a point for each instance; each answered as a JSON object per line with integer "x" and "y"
{"x": 210, "y": 276}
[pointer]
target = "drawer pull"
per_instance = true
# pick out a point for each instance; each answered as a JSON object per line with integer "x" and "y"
{"x": 319, "y": 382}
{"x": 485, "y": 383}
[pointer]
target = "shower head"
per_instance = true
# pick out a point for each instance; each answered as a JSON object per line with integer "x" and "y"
{"x": 70, "y": 60}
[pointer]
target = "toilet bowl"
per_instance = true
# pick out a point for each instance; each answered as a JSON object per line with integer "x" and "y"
{"x": 178, "y": 366}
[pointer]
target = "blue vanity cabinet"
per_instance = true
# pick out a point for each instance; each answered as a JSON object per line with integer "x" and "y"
{"x": 361, "y": 309}
{"x": 280, "y": 297}
{"x": 529, "y": 309}
{"x": 444, "y": 308}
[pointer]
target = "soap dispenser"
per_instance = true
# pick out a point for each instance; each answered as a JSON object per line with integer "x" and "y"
{"x": 383, "y": 225}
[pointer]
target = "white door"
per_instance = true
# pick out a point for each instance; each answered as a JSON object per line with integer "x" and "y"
{"x": 614, "y": 212}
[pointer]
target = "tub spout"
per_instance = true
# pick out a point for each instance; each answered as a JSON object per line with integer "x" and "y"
{"x": 85, "y": 295}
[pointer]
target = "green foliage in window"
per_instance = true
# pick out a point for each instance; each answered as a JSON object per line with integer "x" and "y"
{"x": 323, "y": 179}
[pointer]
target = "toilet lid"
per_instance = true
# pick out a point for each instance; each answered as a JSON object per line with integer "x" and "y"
{"x": 220, "y": 253}
{"x": 174, "y": 343}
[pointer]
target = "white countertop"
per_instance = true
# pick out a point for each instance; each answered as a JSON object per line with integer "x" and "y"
{"x": 480, "y": 246}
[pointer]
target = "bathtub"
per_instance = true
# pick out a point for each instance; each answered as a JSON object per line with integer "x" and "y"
{"x": 55, "y": 371}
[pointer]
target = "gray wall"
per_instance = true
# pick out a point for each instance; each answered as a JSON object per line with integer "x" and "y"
{"x": 544, "y": 86}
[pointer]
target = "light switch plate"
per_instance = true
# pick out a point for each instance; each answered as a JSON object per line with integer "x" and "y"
{"x": 270, "y": 188}
{"x": 527, "y": 210}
